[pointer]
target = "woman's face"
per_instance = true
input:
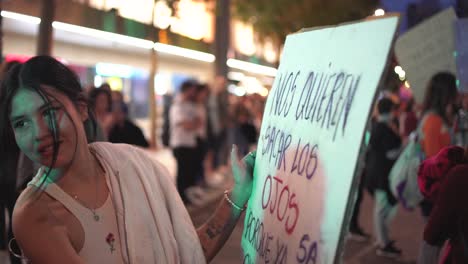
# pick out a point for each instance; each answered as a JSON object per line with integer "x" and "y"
{"x": 102, "y": 103}
{"x": 30, "y": 119}
{"x": 450, "y": 109}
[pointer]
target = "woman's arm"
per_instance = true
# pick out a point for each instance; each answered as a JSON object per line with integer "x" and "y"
{"x": 41, "y": 237}
{"x": 215, "y": 232}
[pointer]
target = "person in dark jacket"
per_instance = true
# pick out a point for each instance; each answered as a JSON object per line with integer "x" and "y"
{"x": 124, "y": 130}
{"x": 384, "y": 148}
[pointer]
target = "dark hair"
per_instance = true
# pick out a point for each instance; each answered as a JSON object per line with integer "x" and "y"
{"x": 105, "y": 86}
{"x": 186, "y": 85}
{"x": 6, "y": 67}
{"x": 441, "y": 91}
{"x": 95, "y": 93}
{"x": 385, "y": 106}
{"x": 202, "y": 87}
{"x": 37, "y": 71}
{"x": 409, "y": 105}
{"x": 241, "y": 110}
{"x": 122, "y": 107}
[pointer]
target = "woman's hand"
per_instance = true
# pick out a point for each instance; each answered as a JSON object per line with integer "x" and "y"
{"x": 243, "y": 176}
{"x": 214, "y": 233}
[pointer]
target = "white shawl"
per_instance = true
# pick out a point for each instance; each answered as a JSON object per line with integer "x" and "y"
{"x": 153, "y": 223}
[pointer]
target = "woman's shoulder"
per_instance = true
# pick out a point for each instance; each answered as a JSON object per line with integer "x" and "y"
{"x": 119, "y": 153}
{"x": 432, "y": 121}
{"x": 117, "y": 150}
{"x": 432, "y": 117}
{"x": 31, "y": 210}
{"x": 39, "y": 232}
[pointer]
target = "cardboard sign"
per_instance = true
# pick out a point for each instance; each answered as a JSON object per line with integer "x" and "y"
{"x": 426, "y": 49}
{"x": 461, "y": 43}
{"x": 312, "y": 130}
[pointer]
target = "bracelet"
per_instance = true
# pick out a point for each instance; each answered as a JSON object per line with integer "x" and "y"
{"x": 226, "y": 196}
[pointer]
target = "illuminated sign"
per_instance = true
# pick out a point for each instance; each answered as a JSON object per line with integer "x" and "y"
{"x": 114, "y": 70}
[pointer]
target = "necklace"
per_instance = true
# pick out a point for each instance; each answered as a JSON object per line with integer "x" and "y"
{"x": 96, "y": 217}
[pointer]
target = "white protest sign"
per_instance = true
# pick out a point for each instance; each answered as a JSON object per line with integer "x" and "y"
{"x": 426, "y": 49}
{"x": 313, "y": 125}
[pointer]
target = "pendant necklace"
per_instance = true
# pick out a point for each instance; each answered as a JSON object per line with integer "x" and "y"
{"x": 96, "y": 217}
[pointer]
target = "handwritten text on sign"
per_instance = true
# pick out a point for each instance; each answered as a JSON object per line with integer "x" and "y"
{"x": 309, "y": 143}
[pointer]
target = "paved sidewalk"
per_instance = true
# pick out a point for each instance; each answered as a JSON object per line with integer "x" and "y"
{"x": 406, "y": 230}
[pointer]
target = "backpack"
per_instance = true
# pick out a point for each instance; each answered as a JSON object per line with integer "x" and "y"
{"x": 403, "y": 176}
{"x": 434, "y": 169}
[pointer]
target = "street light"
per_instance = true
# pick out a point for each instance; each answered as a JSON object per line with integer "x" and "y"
{"x": 379, "y": 12}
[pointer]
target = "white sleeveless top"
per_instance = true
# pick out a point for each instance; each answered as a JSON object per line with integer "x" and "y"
{"x": 101, "y": 238}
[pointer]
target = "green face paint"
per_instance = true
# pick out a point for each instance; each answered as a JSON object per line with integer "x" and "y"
{"x": 33, "y": 120}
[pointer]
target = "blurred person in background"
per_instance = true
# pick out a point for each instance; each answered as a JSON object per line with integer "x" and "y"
{"x": 202, "y": 131}
{"x": 445, "y": 184}
{"x": 245, "y": 133}
{"x": 196, "y": 194}
{"x": 167, "y": 100}
{"x": 101, "y": 105}
{"x": 461, "y": 126}
{"x": 218, "y": 119}
{"x": 88, "y": 88}
{"x": 408, "y": 120}
{"x": 106, "y": 86}
{"x": 124, "y": 130}
{"x": 117, "y": 96}
{"x": 184, "y": 129}
{"x": 384, "y": 148}
{"x": 257, "y": 111}
{"x": 438, "y": 118}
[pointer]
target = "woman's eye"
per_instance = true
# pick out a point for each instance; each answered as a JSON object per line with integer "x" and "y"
{"x": 19, "y": 124}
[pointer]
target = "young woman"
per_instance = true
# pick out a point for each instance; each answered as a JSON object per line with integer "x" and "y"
{"x": 438, "y": 113}
{"x": 100, "y": 102}
{"x": 99, "y": 202}
{"x": 437, "y": 120}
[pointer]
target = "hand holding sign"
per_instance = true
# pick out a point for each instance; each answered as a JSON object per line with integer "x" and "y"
{"x": 243, "y": 176}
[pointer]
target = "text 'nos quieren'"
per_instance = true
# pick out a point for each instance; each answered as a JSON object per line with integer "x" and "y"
{"x": 325, "y": 98}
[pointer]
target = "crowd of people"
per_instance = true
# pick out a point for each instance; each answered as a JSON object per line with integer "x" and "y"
{"x": 203, "y": 122}
{"x": 70, "y": 186}
{"x": 437, "y": 126}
